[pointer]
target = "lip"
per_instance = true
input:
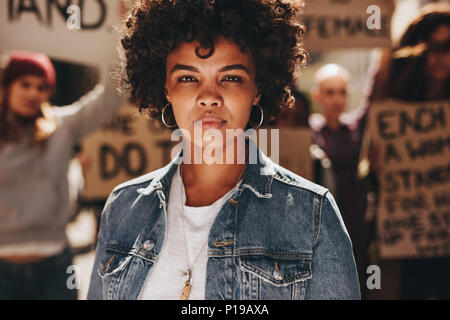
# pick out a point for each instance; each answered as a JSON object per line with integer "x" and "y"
{"x": 210, "y": 121}
{"x": 31, "y": 105}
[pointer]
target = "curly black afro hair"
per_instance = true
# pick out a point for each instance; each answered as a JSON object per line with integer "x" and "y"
{"x": 268, "y": 29}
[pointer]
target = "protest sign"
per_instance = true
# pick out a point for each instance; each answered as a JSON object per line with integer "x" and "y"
{"x": 83, "y": 33}
{"x": 130, "y": 146}
{"x": 289, "y": 148}
{"x": 413, "y": 143}
{"x": 335, "y": 24}
{"x": 294, "y": 151}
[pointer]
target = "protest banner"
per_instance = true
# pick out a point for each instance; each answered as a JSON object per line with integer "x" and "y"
{"x": 132, "y": 145}
{"x": 337, "y": 24}
{"x": 413, "y": 143}
{"x": 294, "y": 151}
{"x": 289, "y": 148}
{"x": 83, "y": 33}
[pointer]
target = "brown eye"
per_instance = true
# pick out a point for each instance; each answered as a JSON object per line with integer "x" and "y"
{"x": 43, "y": 88}
{"x": 187, "y": 79}
{"x": 25, "y": 84}
{"x": 232, "y": 79}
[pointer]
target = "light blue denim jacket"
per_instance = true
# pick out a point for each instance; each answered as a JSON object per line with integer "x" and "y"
{"x": 279, "y": 236}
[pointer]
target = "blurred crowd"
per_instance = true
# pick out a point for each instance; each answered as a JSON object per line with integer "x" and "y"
{"x": 34, "y": 135}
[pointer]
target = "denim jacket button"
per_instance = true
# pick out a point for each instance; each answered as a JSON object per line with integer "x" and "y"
{"x": 148, "y": 245}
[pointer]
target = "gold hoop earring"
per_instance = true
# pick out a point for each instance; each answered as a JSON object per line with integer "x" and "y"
{"x": 262, "y": 117}
{"x": 164, "y": 120}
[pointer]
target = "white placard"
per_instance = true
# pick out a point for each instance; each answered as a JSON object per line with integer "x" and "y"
{"x": 413, "y": 143}
{"x": 132, "y": 145}
{"x": 45, "y": 26}
{"x": 338, "y": 24}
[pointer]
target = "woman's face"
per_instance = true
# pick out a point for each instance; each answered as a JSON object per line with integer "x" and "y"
{"x": 26, "y": 95}
{"x": 438, "y": 57}
{"x": 218, "y": 91}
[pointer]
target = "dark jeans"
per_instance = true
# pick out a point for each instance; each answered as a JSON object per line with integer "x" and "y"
{"x": 43, "y": 280}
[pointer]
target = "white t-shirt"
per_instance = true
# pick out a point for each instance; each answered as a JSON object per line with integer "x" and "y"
{"x": 166, "y": 279}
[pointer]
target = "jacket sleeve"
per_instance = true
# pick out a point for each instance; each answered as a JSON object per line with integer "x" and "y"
{"x": 334, "y": 274}
{"x": 95, "y": 291}
{"x": 94, "y": 109}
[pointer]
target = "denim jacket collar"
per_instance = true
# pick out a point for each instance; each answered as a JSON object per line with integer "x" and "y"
{"x": 258, "y": 174}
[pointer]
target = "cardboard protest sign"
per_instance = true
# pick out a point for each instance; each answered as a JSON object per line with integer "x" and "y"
{"x": 127, "y": 148}
{"x": 51, "y": 27}
{"x": 336, "y": 24}
{"x": 289, "y": 148}
{"x": 413, "y": 143}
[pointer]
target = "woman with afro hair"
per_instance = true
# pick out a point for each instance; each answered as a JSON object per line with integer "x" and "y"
{"x": 235, "y": 227}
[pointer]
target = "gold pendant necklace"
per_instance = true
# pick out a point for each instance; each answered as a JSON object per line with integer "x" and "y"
{"x": 187, "y": 287}
{"x": 185, "y": 293}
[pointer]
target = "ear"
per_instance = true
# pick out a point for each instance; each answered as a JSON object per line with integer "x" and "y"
{"x": 257, "y": 98}
{"x": 166, "y": 93}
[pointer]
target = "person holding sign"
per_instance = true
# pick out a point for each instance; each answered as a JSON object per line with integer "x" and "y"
{"x": 339, "y": 135}
{"x": 413, "y": 225}
{"x": 238, "y": 227}
{"x": 36, "y": 146}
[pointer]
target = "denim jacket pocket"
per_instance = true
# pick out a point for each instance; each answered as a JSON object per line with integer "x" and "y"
{"x": 273, "y": 278}
{"x": 114, "y": 264}
{"x": 114, "y": 260}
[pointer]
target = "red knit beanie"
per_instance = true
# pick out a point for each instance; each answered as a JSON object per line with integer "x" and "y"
{"x": 25, "y": 63}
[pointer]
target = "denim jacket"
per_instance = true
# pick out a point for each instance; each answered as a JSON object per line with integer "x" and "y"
{"x": 278, "y": 237}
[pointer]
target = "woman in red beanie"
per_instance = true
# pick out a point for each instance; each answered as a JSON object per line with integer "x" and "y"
{"x": 28, "y": 82}
{"x": 36, "y": 146}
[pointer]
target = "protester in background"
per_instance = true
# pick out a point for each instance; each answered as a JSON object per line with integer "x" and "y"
{"x": 36, "y": 147}
{"x": 418, "y": 69}
{"x": 339, "y": 136}
{"x": 228, "y": 230}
